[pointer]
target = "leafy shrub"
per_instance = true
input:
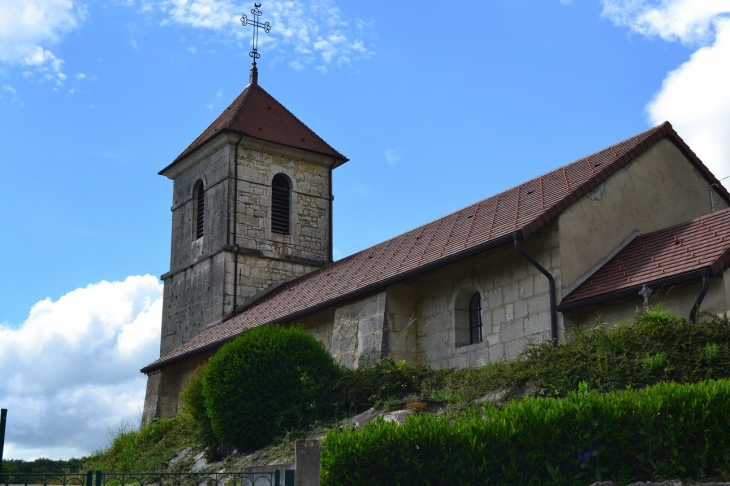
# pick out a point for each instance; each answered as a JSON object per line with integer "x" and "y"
{"x": 653, "y": 364}
{"x": 267, "y": 381}
{"x": 664, "y": 431}
{"x": 657, "y": 346}
{"x": 712, "y": 351}
{"x": 41, "y": 465}
{"x": 194, "y": 403}
{"x": 359, "y": 389}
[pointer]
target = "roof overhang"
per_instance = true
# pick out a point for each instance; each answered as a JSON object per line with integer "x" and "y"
{"x": 231, "y": 137}
{"x": 633, "y": 291}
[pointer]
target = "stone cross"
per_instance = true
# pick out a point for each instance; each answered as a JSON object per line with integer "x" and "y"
{"x": 646, "y": 293}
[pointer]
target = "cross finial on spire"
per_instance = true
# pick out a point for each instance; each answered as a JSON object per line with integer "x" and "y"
{"x": 254, "y": 77}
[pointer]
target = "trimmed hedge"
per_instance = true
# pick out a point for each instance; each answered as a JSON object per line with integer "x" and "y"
{"x": 664, "y": 431}
{"x": 267, "y": 381}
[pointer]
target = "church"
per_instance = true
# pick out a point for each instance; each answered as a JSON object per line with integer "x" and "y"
{"x": 637, "y": 223}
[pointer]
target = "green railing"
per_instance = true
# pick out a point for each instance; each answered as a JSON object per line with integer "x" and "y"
{"x": 272, "y": 478}
{"x": 48, "y": 479}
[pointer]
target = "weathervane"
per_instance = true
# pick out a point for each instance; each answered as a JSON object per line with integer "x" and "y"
{"x": 255, "y": 41}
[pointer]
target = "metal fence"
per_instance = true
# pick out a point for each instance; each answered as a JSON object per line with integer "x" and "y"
{"x": 267, "y": 478}
{"x": 48, "y": 479}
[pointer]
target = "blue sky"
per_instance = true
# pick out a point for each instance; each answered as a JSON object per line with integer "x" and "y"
{"x": 437, "y": 106}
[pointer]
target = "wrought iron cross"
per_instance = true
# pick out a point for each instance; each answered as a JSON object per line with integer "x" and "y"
{"x": 256, "y": 26}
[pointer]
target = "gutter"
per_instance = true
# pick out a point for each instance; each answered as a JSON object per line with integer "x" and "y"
{"x": 553, "y": 313}
{"x": 367, "y": 290}
{"x": 705, "y": 285}
{"x": 235, "y": 226}
{"x": 330, "y": 250}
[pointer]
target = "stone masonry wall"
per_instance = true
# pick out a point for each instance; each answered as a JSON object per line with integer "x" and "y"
{"x": 193, "y": 294}
{"x": 310, "y": 203}
{"x": 213, "y": 171}
{"x": 199, "y": 287}
{"x": 515, "y": 303}
{"x": 357, "y": 333}
{"x": 417, "y": 320}
{"x": 401, "y": 324}
{"x": 255, "y": 274}
{"x": 192, "y": 302}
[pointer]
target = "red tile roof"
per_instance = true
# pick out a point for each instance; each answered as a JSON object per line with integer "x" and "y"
{"x": 257, "y": 114}
{"x": 687, "y": 247}
{"x": 493, "y": 221}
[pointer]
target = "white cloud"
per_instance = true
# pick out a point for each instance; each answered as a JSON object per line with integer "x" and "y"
{"x": 10, "y": 92}
{"x": 192, "y": 49}
{"x": 694, "y": 97}
{"x": 392, "y": 156}
{"x": 134, "y": 45}
{"x": 71, "y": 370}
{"x": 314, "y": 32}
{"x": 28, "y": 27}
{"x": 690, "y": 21}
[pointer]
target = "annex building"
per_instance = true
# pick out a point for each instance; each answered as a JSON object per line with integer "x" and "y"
{"x": 640, "y": 221}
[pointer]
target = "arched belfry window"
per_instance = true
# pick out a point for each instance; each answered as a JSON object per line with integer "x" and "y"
{"x": 198, "y": 210}
{"x": 475, "y": 319}
{"x": 280, "y": 205}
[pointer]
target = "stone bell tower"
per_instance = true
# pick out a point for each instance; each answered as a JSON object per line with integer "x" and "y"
{"x": 251, "y": 209}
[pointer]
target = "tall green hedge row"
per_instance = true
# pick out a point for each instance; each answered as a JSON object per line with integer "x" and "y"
{"x": 664, "y": 431}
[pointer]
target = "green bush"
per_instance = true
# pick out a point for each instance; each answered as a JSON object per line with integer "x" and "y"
{"x": 267, "y": 381}
{"x": 656, "y": 346}
{"x": 665, "y": 431}
{"x": 194, "y": 403}
{"x": 357, "y": 390}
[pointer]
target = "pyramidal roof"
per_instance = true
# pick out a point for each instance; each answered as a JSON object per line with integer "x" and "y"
{"x": 255, "y": 113}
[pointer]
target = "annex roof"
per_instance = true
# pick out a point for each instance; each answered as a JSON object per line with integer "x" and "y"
{"x": 494, "y": 221}
{"x": 680, "y": 250}
{"x": 257, "y": 114}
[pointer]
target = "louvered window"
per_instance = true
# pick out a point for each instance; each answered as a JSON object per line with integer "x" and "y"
{"x": 280, "y": 205}
{"x": 198, "y": 210}
{"x": 475, "y": 319}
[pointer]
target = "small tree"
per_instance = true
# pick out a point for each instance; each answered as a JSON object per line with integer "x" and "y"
{"x": 267, "y": 381}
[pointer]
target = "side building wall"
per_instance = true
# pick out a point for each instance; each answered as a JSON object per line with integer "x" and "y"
{"x": 515, "y": 299}
{"x": 678, "y": 299}
{"x": 420, "y": 320}
{"x": 660, "y": 188}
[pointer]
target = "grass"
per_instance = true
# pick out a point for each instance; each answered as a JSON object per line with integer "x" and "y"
{"x": 656, "y": 347}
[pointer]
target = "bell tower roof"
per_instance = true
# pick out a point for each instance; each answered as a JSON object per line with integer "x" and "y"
{"x": 255, "y": 113}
